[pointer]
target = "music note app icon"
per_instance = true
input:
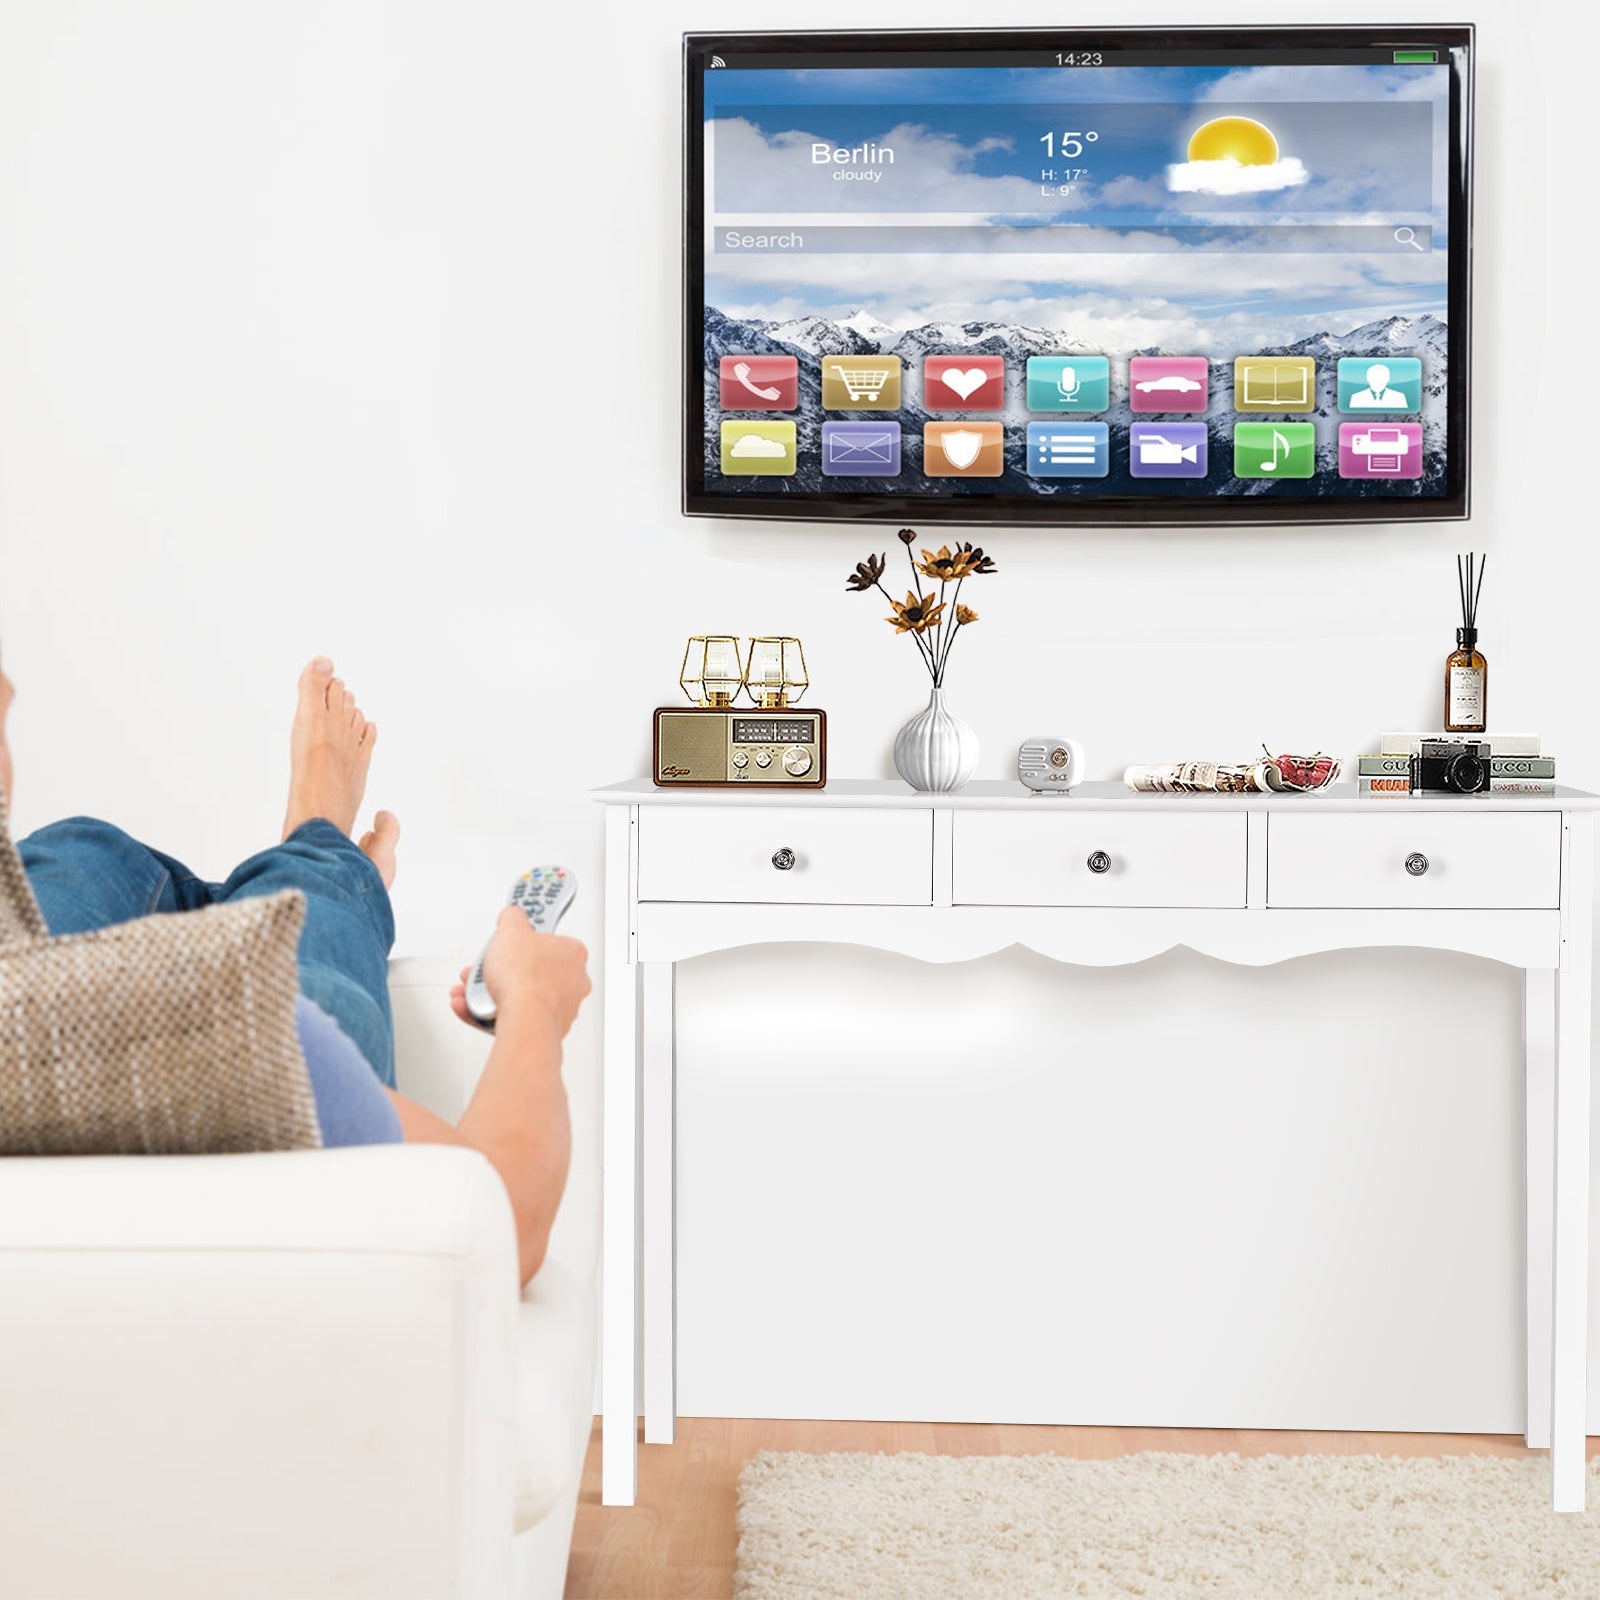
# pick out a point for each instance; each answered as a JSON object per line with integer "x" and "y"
{"x": 1274, "y": 450}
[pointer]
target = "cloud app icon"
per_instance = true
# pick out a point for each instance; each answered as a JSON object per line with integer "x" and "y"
{"x": 758, "y": 449}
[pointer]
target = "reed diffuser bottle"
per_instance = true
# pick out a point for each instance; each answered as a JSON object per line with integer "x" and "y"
{"x": 1466, "y": 673}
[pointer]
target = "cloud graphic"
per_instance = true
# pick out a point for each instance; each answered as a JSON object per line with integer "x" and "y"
{"x": 1233, "y": 177}
{"x": 752, "y": 444}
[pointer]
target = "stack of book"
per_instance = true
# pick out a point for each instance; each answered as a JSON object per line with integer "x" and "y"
{"x": 1515, "y": 765}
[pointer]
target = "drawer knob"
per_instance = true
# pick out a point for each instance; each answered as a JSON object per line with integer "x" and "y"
{"x": 783, "y": 859}
{"x": 1099, "y": 862}
{"x": 1416, "y": 863}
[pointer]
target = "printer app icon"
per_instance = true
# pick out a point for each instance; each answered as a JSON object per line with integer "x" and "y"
{"x": 1380, "y": 450}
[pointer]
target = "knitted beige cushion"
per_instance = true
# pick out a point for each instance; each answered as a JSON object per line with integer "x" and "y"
{"x": 169, "y": 1035}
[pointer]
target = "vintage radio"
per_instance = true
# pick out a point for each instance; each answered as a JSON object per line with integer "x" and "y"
{"x": 706, "y": 746}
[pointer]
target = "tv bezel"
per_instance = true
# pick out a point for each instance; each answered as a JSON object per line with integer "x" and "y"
{"x": 1456, "y": 42}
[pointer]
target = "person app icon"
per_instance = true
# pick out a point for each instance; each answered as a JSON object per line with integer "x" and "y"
{"x": 1394, "y": 385}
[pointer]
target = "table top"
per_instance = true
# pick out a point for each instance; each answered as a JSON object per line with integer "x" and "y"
{"x": 1003, "y": 794}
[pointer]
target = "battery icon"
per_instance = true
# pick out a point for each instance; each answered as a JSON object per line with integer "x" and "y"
{"x": 1416, "y": 58}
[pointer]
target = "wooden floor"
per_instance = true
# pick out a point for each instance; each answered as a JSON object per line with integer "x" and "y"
{"x": 677, "y": 1543}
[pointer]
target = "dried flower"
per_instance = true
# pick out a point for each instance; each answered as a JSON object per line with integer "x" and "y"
{"x": 965, "y": 614}
{"x": 978, "y": 561}
{"x": 945, "y": 566}
{"x": 915, "y": 616}
{"x": 866, "y": 574}
{"x": 907, "y": 535}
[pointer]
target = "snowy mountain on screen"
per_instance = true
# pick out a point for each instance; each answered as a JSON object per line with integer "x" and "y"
{"x": 809, "y": 339}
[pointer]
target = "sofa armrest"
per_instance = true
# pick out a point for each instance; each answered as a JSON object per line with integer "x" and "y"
{"x": 293, "y": 1366}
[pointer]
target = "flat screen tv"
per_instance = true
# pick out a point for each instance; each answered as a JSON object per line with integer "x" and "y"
{"x": 1166, "y": 276}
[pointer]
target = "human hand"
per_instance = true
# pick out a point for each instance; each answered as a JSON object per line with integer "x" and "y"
{"x": 526, "y": 971}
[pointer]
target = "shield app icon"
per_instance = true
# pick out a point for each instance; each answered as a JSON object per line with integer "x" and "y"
{"x": 963, "y": 450}
{"x": 961, "y": 447}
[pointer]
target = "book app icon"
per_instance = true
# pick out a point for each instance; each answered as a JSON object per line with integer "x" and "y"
{"x": 759, "y": 383}
{"x": 758, "y": 449}
{"x": 861, "y": 449}
{"x": 1069, "y": 383}
{"x": 1274, "y": 383}
{"x": 861, "y": 383}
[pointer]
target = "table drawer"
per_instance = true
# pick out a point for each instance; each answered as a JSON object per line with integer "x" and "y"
{"x": 1043, "y": 858}
{"x": 840, "y": 857}
{"x": 1488, "y": 862}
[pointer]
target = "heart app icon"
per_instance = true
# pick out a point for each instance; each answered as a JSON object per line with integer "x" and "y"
{"x": 964, "y": 383}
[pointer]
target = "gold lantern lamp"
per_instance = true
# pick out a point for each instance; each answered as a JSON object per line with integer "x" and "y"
{"x": 775, "y": 671}
{"x": 711, "y": 674}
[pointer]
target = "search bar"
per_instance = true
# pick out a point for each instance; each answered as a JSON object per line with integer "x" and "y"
{"x": 774, "y": 237}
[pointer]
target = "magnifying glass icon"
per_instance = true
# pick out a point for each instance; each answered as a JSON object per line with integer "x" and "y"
{"x": 1407, "y": 236}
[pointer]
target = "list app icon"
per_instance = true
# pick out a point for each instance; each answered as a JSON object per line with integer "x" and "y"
{"x": 759, "y": 383}
{"x": 1068, "y": 450}
{"x": 963, "y": 383}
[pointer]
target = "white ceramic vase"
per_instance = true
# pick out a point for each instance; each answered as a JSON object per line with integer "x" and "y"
{"x": 936, "y": 751}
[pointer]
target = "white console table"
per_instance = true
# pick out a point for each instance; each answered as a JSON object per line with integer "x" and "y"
{"x": 1098, "y": 877}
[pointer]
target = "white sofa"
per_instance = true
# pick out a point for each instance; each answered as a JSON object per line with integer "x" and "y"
{"x": 302, "y": 1374}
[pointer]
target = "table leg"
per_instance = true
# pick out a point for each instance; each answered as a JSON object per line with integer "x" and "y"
{"x": 619, "y": 1153}
{"x": 660, "y": 1384}
{"x": 1539, "y": 1050}
{"x": 1570, "y": 1329}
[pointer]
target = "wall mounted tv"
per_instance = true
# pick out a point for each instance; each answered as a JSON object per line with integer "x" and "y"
{"x": 1162, "y": 276}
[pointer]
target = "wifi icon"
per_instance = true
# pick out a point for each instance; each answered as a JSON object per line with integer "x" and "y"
{"x": 717, "y": 61}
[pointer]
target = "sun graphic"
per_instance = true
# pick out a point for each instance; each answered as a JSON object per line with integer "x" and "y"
{"x": 1241, "y": 139}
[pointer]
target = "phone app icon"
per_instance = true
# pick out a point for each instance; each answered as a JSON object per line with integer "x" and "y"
{"x": 861, "y": 383}
{"x": 1068, "y": 450}
{"x": 1274, "y": 450}
{"x": 1069, "y": 383}
{"x": 1168, "y": 383}
{"x": 963, "y": 383}
{"x": 758, "y": 449}
{"x": 861, "y": 449}
{"x": 1380, "y": 449}
{"x": 963, "y": 449}
{"x": 1368, "y": 383}
{"x": 1168, "y": 450}
{"x": 759, "y": 383}
{"x": 1274, "y": 383}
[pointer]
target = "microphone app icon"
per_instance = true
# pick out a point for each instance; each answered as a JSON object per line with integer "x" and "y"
{"x": 1080, "y": 384}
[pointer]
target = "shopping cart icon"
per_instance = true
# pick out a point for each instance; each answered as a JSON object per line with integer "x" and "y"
{"x": 862, "y": 383}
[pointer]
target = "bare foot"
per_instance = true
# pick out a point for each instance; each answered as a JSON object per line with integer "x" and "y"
{"x": 379, "y": 844}
{"x": 330, "y": 749}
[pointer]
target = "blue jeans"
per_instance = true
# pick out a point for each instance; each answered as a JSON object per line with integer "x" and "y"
{"x": 88, "y": 874}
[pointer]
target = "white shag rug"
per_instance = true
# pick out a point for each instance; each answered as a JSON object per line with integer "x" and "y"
{"x": 1161, "y": 1527}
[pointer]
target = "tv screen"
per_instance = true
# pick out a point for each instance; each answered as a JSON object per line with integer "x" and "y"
{"x": 1142, "y": 275}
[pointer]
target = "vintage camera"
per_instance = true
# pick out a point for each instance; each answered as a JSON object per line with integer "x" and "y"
{"x": 1440, "y": 766}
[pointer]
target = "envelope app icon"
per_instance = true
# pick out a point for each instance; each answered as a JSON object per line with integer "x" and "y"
{"x": 861, "y": 449}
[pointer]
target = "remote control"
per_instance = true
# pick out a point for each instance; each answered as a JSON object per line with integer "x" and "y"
{"x": 543, "y": 894}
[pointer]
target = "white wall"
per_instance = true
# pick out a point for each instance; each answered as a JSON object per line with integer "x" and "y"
{"x": 354, "y": 327}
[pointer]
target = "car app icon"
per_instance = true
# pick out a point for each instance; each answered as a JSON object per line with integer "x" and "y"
{"x": 1168, "y": 383}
